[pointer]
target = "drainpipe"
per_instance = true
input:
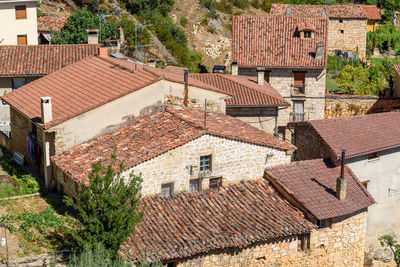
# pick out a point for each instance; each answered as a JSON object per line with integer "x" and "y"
{"x": 186, "y": 90}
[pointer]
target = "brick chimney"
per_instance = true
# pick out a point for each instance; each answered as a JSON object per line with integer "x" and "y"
{"x": 47, "y": 114}
{"x": 341, "y": 182}
{"x": 103, "y": 52}
{"x": 319, "y": 53}
{"x": 93, "y": 36}
{"x": 235, "y": 68}
{"x": 260, "y": 77}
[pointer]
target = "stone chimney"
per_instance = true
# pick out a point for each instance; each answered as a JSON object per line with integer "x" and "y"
{"x": 47, "y": 114}
{"x": 319, "y": 53}
{"x": 93, "y": 36}
{"x": 260, "y": 77}
{"x": 341, "y": 182}
{"x": 289, "y": 11}
{"x": 235, "y": 68}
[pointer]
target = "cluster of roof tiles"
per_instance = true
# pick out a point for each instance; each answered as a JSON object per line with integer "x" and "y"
{"x": 234, "y": 216}
{"x": 397, "y": 68}
{"x": 312, "y": 183}
{"x": 245, "y": 90}
{"x": 332, "y": 11}
{"x": 149, "y": 136}
{"x": 360, "y": 135}
{"x": 274, "y": 41}
{"x": 50, "y": 23}
{"x": 40, "y": 60}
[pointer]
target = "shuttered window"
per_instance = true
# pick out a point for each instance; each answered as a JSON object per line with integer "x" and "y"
{"x": 22, "y": 40}
{"x": 20, "y": 12}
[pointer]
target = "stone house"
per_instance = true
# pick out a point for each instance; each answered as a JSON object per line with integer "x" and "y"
{"x": 248, "y": 223}
{"x": 253, "y": 103}
{"x": 177, "y": 149}
{"x": 45, "y": 25}
{"x": 331, "y": 197}
{"x": 347, "y": 24}
{"x": 18, "y": 22}
{"x": 397, "y": 80}
{"x": 290, "y": 54}
{"x": 373, "y": 152}
{"x": 92, "y": 97}
{"x": 23, "y": 64}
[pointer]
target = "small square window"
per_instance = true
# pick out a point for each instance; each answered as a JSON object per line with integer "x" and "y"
{"x": 373, "y": 156}
{"x": 167, "y": 189}
{"x": 322, "y": 223}
{"x": 307, "y": 34}
{"x": 205, "y": 163}
{"x": 340, "y": 21}
{"x": 215, "y": 183}
{"x": 194, "y": 185}
{"x": 341, "y": 31}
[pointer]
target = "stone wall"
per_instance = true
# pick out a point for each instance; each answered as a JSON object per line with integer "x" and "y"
{"x": 337, "y": 106}
{"x": 348, "y": 35}
{"x": 283, "y": 79}
{"x": 309, "y": 144}
{"x": 342, "y": 244}
{"x": 265, "y": 119}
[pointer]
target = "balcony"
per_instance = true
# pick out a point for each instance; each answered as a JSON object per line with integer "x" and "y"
{"x": 298, "y": 90}
{"x": 295, "y": 117}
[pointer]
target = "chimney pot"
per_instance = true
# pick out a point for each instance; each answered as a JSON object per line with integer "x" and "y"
{"x": 319, "y": 53}
{"x": 47, "y": 114}
{"x": 260, "y": 77}
{"x": 235, "y": 68}
{"x": 93, "y": 36}
{"x": 341, "y": 182}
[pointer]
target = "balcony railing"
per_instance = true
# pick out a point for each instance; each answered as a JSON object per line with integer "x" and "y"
{"x": 298, "y": 90}
{"x": 298, "y": 117}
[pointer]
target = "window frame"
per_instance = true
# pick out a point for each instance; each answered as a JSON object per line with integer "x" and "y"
{"x": 20, "y": 9}
{"x": 202, "y": 165}
{"x": 307, "y": 34}
{"x": 171, "y": 189}
{"x": 193, "y": 182}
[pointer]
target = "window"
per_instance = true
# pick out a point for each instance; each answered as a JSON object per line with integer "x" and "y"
{"x": 340, "y": 21}
{"x": 304, "y": 243}
{"x": 298, "y": 110}
{"x": 215, "y": 183}
{"x": 307, "y": 34}
{"x": 322, "y": 223}
{"x": 167, "y": 189}
{"x": 194, "y": 185}
{"x": 205, "y": 163}
{"x": 20, "y": 12}
{"x": 18, "y": 82}
{"x": 299, "y": 82}
{"x": 22, "y": 39}
{"x": 342, "y": 31}
{"x": 373, "y": 156}
{"x": 266, "y": 75}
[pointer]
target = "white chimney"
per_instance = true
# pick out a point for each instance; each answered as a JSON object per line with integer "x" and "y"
{"x": 93, "y": 36}
{"x": 235, "y": 68}
{"x": 47, "y": 114}
{"x": 260, "y": 77}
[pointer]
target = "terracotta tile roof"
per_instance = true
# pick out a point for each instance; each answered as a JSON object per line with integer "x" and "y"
{"x": 313, "y": 185}
{"x": 48, "y": 23}
{"x": 235, "y": 216}
{"x": 314, "y": 11}
{"x": 274, "y": 42}
{"x": 245, "y": 90}
{"x": 360, "y": 135}
{"x": 175, "y": 69}
{"x": 149, "y": 136}
{"x": 40, "y": 60}
{"x": 372, "y": 12}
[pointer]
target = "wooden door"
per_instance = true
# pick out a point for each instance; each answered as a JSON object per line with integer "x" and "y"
{"x": 22, "y": 40}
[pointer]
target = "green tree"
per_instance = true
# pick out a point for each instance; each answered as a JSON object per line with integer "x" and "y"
{"x": 109, "y": 208}
{"x": 361, "y": 81}
{"x": 390, "y": 242}
{"x": 76, "y": 26}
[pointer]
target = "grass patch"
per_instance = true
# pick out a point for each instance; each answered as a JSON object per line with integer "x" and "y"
{"x": 377, "y": 61}
{"x": 9, "y": 190}
{"x": 332, "y": 85}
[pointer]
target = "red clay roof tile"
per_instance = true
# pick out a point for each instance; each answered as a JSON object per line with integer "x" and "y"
{"x": 40, "y": 60}
{"x": 245, "y": 90}
{"x": 314, "y": 11}
{"x": 48, "y": 23}
{"x": 313, "y": 185}
{"x": 274, "y": 42}
{"x": 149, "y": 136}
{"x": 372, "y": 12}
{"x": 235, "y": 216}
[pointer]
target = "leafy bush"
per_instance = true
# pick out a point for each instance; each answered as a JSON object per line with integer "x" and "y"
{"x": 76, "y": 26}
{"x": 28, "y": 182}
{"x": 184, "y": 21}
{"x": 211, "y": 5}
{"x": 361, "y": 81}
{"x": 336, "y": 64}
{"x": 128, "y": 26}
{"x": 109, "y": 209}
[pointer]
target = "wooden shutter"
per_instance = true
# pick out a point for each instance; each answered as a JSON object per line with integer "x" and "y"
{"x": 22, "y": 40}
{"x": 299, "y": 78}
{"x": 20, "y": 12}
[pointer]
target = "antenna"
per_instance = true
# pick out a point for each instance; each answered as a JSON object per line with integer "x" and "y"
{"x": 138, "y": 27}
{"x": 102, "y": 18}
{"x": 205, "y": 113}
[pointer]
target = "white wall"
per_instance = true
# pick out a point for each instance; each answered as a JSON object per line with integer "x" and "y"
{"x": 384, "y": 174}
{"x": 10, "y": 27}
